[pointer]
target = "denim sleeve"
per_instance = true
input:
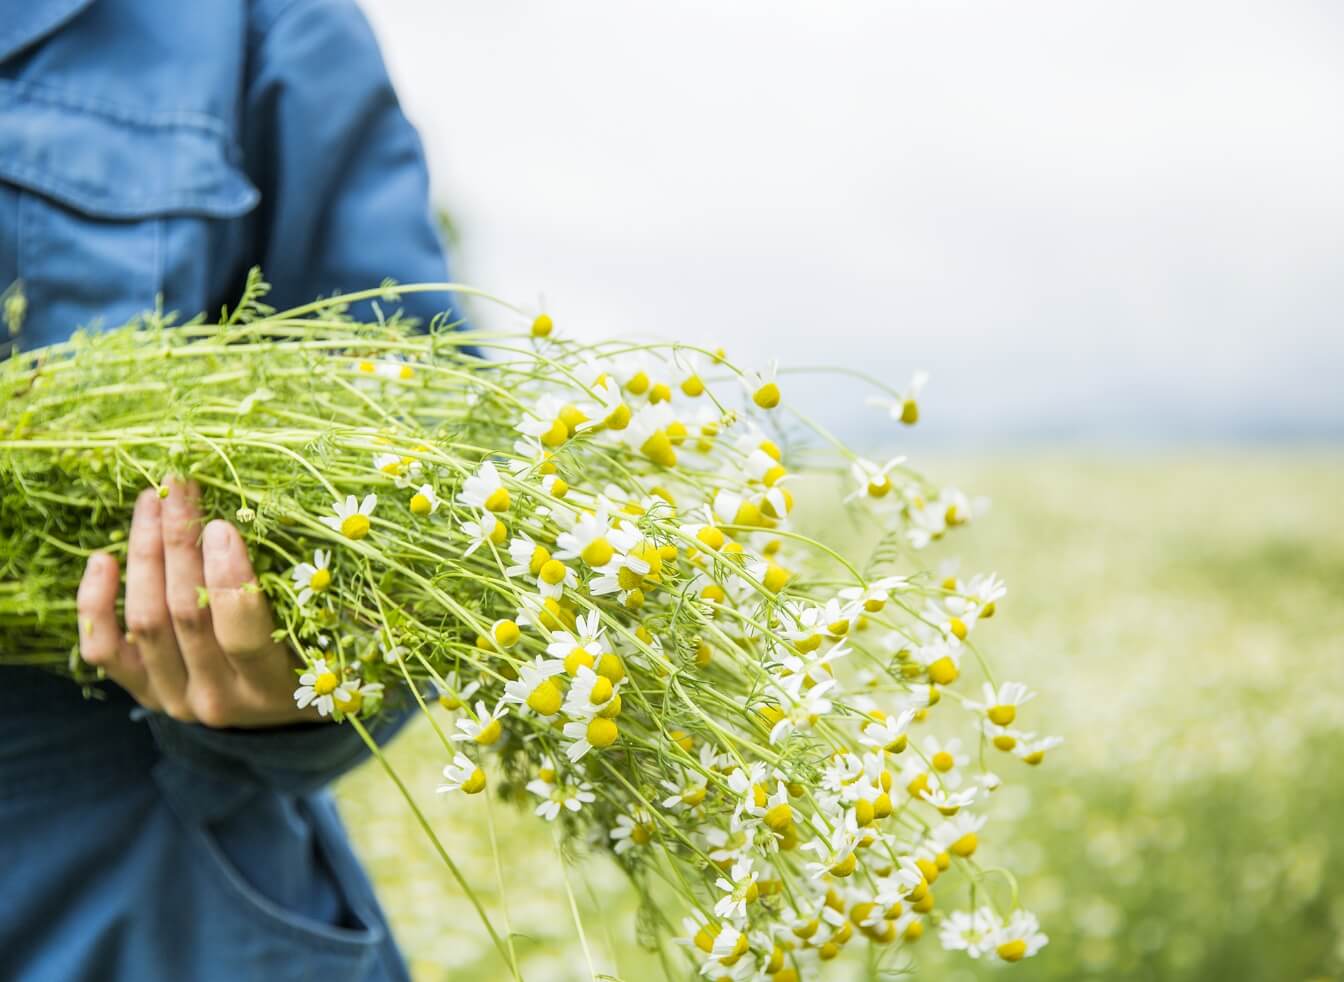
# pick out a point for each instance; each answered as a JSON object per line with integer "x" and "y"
{"x": 296, "y": 759}
{"x": 344, "y": 185}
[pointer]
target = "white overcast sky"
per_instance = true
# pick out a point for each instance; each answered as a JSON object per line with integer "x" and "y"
{"x": 1088, "y": 220}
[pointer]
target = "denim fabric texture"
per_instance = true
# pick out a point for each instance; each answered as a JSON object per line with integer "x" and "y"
{"x": 151, "y": 151}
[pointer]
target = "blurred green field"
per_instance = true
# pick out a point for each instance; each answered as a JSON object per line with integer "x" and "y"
{"x": 1183, "y": 618}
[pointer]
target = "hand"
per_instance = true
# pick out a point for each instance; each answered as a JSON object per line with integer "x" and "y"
{"x": 216, "y": 664}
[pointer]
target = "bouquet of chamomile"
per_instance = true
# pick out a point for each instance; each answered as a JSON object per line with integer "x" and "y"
{"x": 584, "y": 551}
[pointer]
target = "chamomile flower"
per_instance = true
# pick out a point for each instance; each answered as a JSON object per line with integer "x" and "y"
{"x": 583, "y": 736}
{"x": 762, "y": 387}
{"x": 312, "y": 578}
{"x": 320, "y": 686}
{"x": 580, "y": 648}
{"x": 1019, "y": 938}
{"x": 485, "y": 490}
{"x": 452, "y": 693}
{"x": 959, "y": 835}
{"x": 544, "y": 423}
{"x": 424, "y": 502}
{"x": 592, "y": 539}
{"x": 948, "y": 802}
{"x": 1032, "y": 749}
{"x": 535, "y": 686}
{"x": 631, "y": 832}
{"x": 945, "y": 756}
{"x": 873, "y": 597}
{"x": 484, "y": 728}
{"x": 688, "y": 795}
{"x": 352, "y": 518}
{"x": 905, "y": 407}
{"x": 570, "y": 797}
{"x": 462, "y": 775}
{"x": 1000, "y": 705}
{"x": 873, "y": 480}
{"x": 886, "y": 731}
{"x": 482, "y": 529}
{"x": 590, "y": 694}
{"x": 970, "y": 932}
{"x": 740, "y": 888}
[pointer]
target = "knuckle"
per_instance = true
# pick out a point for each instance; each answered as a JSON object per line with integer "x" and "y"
{"x": 189, "y": 615}
{"x": 180, "y": 533}
{"x": 143, "y": 548}
{"x": 179, "y": 709}
{"x": 213, "y": 706}
{"x": 147, "y": 624}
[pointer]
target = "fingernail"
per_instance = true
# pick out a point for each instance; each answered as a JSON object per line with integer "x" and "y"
{"x": 217, "y": 536}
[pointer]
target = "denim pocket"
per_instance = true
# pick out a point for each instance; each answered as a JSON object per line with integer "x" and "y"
{"x": 116, "y": 206}
{"x": 301, "y": 909}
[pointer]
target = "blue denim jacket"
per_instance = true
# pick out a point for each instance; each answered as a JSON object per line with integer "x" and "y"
{"x": 160, "y": 148}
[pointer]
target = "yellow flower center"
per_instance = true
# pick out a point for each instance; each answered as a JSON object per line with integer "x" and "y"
{"x": 355, "y": 526}
{"x": 943, "y": 761}
{"x": 958, "y": 627}
{"x": 601, "y": 691}
{"x": 320, "y": 580}
{"x": 776, "y": 577}
{"x": 559, "y": 487}
{"x": 1012, "y": 951}
{"x": 546, "y": 698}
{"x": 421, "y": 505}
{"x": 349, "y": 703}
{"x": 499, "y": 534}
{"x": 641, "y": 834}
{"x": 711, "y": 537}
{"x": 639, "y": 384}
{"x": 909, "y": 412}
{"x": 498, "y": 500}
{"x": 602, "y": 732}
{"x": 540, "y": 556}
{"x": 325, "y": 684}
{"x": 572, "y": 417}
{"x": 966, "y": 845}
{"x": 767, "y": 396}
{"x": 552, "y": 571}
{"x": 693, "y": 386}
{"x": 542, "y": 325}
{"x": 845, "y": 867}
{"x": 879, "y": 487}
{"x": 658, "y": 448}
{"x": 598, "y": 552}
{"x": 611, "y": 667}
{"x": 557, "y": 434}
{"x": 779, "y": 817}
{"x": 944, "y": 671}
{"x": 618, "y": 418}
{"x": 1002, "y": 715}
{"x": 576, "y": 659}
{"x": 489, "y": 733}
{"x": 475, "y": 783}
{"x": 660, "y": 393}
{"x": 506, "y": 633}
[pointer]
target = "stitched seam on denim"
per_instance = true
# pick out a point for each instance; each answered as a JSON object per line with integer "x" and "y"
{"x": 93, "y": 106}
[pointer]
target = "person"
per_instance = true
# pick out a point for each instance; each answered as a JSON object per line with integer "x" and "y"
{"x": 150, "y": 153}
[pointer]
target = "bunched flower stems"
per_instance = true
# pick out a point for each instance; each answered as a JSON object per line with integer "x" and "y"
{"x": 584, "y": 553}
